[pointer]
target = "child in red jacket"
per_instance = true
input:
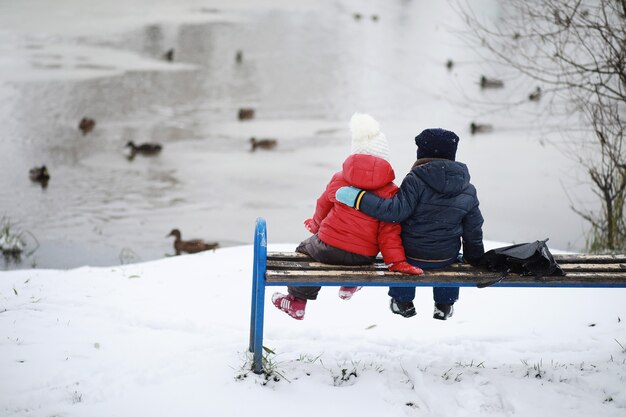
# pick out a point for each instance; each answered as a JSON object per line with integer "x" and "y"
{"x": 343, "y": 235}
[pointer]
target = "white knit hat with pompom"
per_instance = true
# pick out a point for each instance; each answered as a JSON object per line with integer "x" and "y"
{"x": 367, "y": 137}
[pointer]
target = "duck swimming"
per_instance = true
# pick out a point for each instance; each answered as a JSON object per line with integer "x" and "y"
{"x": 190, "y": 246}
{"x": 535, "y": 95}
{"x": 246, "y": 114}
{"x": 86, "y": 125}
{"x": 143, "y": 149}
{"x": 480, "y": 128}
{"x": 40, "y": 175}
{"x": 490, "y": 83}
{"x": 263, "y": 143}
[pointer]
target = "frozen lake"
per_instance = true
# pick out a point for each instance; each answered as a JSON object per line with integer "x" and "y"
{"x": 306, "y": 69}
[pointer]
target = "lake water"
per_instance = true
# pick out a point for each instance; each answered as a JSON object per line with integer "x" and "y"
{"x": 305, "y": 69}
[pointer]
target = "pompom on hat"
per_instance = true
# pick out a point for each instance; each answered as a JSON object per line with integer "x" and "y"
{"x": 437, "y": 143}
{"x": 367, "y": 137}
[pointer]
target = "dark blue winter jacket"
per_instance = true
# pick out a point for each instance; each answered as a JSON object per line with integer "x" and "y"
{"x": 438, "y": 208}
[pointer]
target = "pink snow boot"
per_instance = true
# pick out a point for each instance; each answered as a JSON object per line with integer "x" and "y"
{"x": 289, "y": 304}
{"x": 346, "y": 293}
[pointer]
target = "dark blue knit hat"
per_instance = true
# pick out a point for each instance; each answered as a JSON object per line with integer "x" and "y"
{"x": 436, "y": 143}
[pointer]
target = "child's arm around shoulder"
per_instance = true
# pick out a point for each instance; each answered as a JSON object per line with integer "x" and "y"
{"x": 394, "y": 209}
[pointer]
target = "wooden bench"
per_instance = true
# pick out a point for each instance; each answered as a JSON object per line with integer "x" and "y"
{"x": 295, "y": 269}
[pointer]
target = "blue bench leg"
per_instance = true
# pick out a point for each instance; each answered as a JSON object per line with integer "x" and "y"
{"x": 258, "y": 295}
{"x": 257, "y": 367}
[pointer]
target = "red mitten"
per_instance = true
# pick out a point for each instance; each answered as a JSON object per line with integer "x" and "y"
{"x": 311, "y": 226}
{"x": 405, "y": 268}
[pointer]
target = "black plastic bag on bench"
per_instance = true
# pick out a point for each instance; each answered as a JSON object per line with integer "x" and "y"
{"x": 524, "y": 259}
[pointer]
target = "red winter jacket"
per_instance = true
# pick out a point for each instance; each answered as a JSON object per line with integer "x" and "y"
{"x": 345, "y": 228}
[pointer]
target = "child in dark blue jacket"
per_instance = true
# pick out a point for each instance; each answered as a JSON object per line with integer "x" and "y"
{"x": 438, "y": 208}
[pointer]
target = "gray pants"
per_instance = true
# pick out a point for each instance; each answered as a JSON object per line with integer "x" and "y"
{"x": 327, "y": 254}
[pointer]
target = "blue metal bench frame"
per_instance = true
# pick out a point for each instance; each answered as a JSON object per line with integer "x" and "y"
{"x": 614, "y": 279}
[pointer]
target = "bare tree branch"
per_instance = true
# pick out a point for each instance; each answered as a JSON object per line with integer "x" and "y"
{"x": 578, "y": 49}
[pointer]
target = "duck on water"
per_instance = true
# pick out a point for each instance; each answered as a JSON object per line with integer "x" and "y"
{"x": 190, "y": 246}
{"x": 147, "y": 149}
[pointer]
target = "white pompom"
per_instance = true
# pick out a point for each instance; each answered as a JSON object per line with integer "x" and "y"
{"x": 363, "y": 127}
{"x": 367, "y": 137}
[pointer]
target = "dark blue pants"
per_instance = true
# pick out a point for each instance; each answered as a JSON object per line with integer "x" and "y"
{"x": 442, "y": 295}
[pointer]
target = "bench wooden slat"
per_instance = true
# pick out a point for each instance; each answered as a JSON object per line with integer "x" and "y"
{"x": 318, "y": 266}
{"x": 568, "y": 268}
{"x": 585, "y": 258}
{"x": 441, "y": 276}
{"x": 308, "y": 264}
{"x": 560, "y": 258}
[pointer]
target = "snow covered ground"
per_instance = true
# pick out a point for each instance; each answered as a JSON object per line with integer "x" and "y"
{"x": 169, "y": 338}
